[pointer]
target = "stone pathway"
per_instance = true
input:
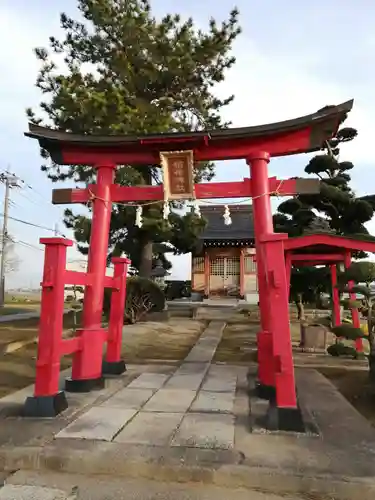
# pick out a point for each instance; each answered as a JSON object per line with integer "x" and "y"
{"x": 192, "y": 407}
{"x": 189, "y": 426}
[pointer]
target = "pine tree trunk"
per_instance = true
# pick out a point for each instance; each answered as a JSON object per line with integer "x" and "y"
{"x": 145, "y": 267}
{"x": 301, "y": 317}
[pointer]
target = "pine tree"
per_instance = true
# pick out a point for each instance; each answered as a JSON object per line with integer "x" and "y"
{"x": 335, "y": 210}
{"x": 127, "y": 72}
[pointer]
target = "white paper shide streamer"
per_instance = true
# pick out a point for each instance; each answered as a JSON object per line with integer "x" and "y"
{"x": 197, "y": 209}
{"x": 138, "y": 216}
{"x": 226, "y": 216}
{"x": 166, "y": 210}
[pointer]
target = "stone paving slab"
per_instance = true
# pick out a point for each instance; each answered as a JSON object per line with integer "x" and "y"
{"x": 191, "y": 369}
{"x": 24, "y": 492}
{"x": 201, "y": 353}
{"x": 98, "y": 423}
{"x": 170, "y": 401}
{"x": 205, "y": 347}
{"x": 213, "y": 402}
{"x": 188, "y": 376}
{"x": 185, "y": 382}
{"x": 152, "y": 429}
{"x": 202, "y": 430}
{"x": 220, "y": 379}
{"x": 129, "y": 399}
{"x": 149, "y": 381}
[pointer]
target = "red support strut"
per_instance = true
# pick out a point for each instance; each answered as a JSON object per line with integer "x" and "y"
{"x": 113, "y": 363}
{"x": 48, "y": 401}
{"x": 279, "y": 320}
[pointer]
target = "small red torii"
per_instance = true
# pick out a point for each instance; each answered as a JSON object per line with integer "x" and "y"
{"x": 254, "y": 144}
{"x": 328, "y": 249}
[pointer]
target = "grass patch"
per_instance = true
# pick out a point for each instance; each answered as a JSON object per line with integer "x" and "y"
{"x": 17, "y": 368}
{"x": 141, "y": 342}
{"x": 9, "y": 309}
{"x": 167, "y": 341}
{"x": 355, "y": 386}
{"x": 238, "y": 343}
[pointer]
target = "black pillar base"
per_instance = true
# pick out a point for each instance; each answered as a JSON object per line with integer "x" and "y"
{"x": 265, "y": 391}
{"x": 45, "y": 406}
{"x": 84, "y": 385}
{"x": 284, "y": 419}
{"x": 113, "y": 367}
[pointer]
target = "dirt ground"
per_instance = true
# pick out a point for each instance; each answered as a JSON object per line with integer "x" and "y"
{"x": 356, "y": 388}
{"x": 17, "y": 364}
{"x": 171, "y": 340}
{"x": 142, "y": 342}
{"x": 18, "y": 308}
{"x": 238, "y": 343}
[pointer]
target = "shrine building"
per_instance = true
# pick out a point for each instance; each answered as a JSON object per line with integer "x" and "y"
{"x": 224, "y": 263}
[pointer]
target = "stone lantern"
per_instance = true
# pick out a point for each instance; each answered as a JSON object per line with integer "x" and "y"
{"x": 158, "y": 274}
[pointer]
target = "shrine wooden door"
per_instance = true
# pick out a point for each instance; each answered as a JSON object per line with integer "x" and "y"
{"x": 224, "y": 276}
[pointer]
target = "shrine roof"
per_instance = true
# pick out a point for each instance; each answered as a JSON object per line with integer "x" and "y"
{"x": 321, "y": 243}
{"x": 303, "y": 134}
{"x": 242, "y": 227}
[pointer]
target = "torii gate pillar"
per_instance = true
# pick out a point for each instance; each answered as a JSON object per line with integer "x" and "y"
{"x": 275, "y": 361}
{"x": 263, "y": 225}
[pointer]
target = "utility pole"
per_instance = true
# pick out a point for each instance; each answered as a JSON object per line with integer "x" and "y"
{"x": 10, "y": 181}
{"x": 57, "y": 232}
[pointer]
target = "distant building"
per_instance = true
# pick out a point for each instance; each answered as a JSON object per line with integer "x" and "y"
{"x": 224, "y": 262}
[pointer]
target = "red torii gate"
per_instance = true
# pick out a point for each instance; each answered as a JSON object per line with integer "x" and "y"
{"x": 254, "y": 144}
{"x": 327, "y": 249}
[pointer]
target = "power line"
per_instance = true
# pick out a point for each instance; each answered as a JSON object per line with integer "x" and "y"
{"x": 54, "y": 230}
{"x": 15, "y": 181}
{"x": 32, "y": 224}
{"x": 27, "y": 245}
{"x": 31, "y": 188}
{"x": 23, "y": 195}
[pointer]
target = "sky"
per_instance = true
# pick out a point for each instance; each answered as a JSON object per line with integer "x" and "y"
{"x": 293, "y": 58}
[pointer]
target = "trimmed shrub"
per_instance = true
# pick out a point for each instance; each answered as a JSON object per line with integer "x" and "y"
{"x": 341, "y": 349}
{"x": 142, "y": 296}
{"x": 347, "y": 331}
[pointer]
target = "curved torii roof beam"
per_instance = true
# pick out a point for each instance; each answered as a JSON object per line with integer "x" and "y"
{"x": 300, "y": 135}
{"x": 328, "y": 242}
